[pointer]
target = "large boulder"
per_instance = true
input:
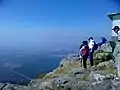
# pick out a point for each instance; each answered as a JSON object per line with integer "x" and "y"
{"x": 96, "y": 77}
{"x": 106, "y": 85}
{"x": 64, "y": 63}
{"x": 109, "y": 63}
{"x": 45, "y": 85}
{"x": 106, "y": 47}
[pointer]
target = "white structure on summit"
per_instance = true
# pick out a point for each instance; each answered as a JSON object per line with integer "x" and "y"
{"x": 116, "y": 37}
{"x": 115, "y": 17}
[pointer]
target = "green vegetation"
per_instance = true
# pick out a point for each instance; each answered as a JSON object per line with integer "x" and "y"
{"x": 59, "y": 88}
{"x": 42, "y": 75}
{"x": 86, "y": 76}
{"x": 102, "y": 56}
{"x": 111, "y": 70}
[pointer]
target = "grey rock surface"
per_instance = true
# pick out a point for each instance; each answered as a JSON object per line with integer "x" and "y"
{"x": 106, "y": 47}
{"x": 14, "y": 87}
{"x": 109, "y": 63}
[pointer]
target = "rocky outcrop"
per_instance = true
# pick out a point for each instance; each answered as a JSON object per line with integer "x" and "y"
{"x": 9, "y": 86}
{"x": 71, "y": 76}
{"x": 107, "y": 47}
{"x": 102, "y": 56}
{"x": 109, "y": 63}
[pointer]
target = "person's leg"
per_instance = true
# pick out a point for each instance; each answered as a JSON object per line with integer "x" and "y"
{"x": 84, "y": 61}
{"x": 81, "y": 61}
{"x": 79, "y": 55}
{"x": 91, "y": 58}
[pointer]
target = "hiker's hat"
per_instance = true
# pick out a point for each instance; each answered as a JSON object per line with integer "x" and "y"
{"x": 116, "y": 28}
{"x": 85, "y": 42}
{"x": 90, "y": 38}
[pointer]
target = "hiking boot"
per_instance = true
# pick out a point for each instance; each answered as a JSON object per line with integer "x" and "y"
{"x": 83, "y": 69}
{"x": 92, "y": 68}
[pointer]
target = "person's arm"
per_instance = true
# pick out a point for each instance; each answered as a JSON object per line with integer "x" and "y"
{"x": 82, "y": 48}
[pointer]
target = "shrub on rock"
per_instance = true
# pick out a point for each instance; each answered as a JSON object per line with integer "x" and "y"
{"x": 102, "y": 56}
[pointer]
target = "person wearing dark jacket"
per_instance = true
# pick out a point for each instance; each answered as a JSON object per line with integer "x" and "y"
{"x": 103, "y": 41}
{"x": 85, "y": 53}
{"x": 80, "y": 52}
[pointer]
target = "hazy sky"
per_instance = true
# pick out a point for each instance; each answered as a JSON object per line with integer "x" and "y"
{"x": 47, "y": 23}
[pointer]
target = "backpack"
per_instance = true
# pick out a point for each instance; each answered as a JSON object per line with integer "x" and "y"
{"x": 81, "y": 46}
{"x": 104, "y": 40}
{"x": 95, "y": 46}
{"x": 85, "y": 51}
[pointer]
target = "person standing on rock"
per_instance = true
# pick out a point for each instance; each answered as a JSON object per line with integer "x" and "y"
{"x": 117, "y": 47}
{"x": 103, "y": 41}
{"x": 85, "y": 53}
{"x": 80, "y": 52}
{"x": 91, "y": 45}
